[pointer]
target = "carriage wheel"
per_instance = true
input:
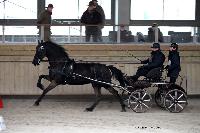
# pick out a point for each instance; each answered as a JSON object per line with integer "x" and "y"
{"x": 139, "y": 101}
{"x": 159, "y": 98}
{"x": 125, "y": 95}
{"x": 175, "y": 101}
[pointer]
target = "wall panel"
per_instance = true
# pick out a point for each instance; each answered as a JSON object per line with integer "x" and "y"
{"x": 19, "y": 77}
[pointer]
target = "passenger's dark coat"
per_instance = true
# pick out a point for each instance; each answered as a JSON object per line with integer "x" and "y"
{"x": 174, "y": 67}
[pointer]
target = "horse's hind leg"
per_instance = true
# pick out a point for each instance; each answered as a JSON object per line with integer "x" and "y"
{"x": 97, "y": 91}
{"x": 39, "y": 83}
{"x": 115, "y": 93}
{"x": 52, "y": 85}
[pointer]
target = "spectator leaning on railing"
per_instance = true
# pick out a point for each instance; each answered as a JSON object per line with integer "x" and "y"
{"x": 45, "y": 18}
{"x": 91, "y": 17}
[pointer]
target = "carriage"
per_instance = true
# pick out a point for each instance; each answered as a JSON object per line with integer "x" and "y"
{"x": 63, "y": 70}
{"x": 172, "y": 97}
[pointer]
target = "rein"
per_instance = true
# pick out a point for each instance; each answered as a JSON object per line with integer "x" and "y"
{"x": 99, "y": 81}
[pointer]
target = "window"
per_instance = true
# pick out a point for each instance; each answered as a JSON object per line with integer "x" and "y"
{"x": 64, "y": 9}
{"x": 18, "y": 9}
{"x": 185, "y": 10}
{"x": 20, "y": 30}
{"x": 68, "y": 9}
{"x": 73, "y": 9}
{"x": 106, "y": 5}
{"x": 163, "y": 29}
{"x": 163, "y": 9}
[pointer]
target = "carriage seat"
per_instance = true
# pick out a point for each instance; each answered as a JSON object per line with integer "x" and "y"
{"x": 141, "y": 84}
{"x": 155, "y": 74}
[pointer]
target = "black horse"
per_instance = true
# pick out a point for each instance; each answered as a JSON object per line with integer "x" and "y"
{"x": 63, "y": 70}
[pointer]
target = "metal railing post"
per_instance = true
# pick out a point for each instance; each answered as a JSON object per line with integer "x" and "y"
{"x": 69, "y": 36}
{"x": 118, "y": 34}
{"x": 3, "y": 34}
{"x": 42, "y": 32}
{"x": 156, "y": 33}
{"x": 80, "y": 38}
{"x": 195, "y": 35}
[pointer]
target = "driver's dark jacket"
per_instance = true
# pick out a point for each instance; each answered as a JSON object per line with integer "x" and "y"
{"x": 156, "y": 60}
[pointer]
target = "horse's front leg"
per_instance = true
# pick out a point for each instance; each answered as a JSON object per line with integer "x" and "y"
{"x": 52, "y": 85}
{"x": 39, "y": 83}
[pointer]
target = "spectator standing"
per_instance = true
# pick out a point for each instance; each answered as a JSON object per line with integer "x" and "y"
{"x": 151, "y": 33}
{"x": 91, "y": 17}
{"x": 45, "y": 18}
{"x": 125, "y": 35}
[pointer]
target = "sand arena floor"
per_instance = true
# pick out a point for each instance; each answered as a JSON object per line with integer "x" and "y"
{"x": 68, "y": 116}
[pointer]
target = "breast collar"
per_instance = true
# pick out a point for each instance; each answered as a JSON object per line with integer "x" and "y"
{"x": 68, "y": 67}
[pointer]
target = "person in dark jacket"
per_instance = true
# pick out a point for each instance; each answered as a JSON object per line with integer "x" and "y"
{"x": 45, "y": 18}
{"x": 125, "y": 35}
{"x": 173, "y": 66}
{"x": 151, "y": 33}
{"x": 156, "y": 60}
{"x": 91, "y": 17}
{"x": 100, "y": 10}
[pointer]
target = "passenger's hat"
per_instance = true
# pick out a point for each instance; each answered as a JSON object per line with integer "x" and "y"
{"x": 95, "y": 0}
{"x": 174, "y": 45}
{"x": 50, "y": 6}
{"x": 156, "y": 45}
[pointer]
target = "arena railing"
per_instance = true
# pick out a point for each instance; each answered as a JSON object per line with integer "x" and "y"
{"x": 111, "y": 34}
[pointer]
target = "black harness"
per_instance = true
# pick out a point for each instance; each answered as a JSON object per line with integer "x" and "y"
{"x": 67, "y": 69}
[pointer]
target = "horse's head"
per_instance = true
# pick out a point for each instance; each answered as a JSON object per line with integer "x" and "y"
{"x": 40, "y": 53}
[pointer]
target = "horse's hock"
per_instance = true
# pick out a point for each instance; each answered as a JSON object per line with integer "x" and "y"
{"x": 19, "y": 77}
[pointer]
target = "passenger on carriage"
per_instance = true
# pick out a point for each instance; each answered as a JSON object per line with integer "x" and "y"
{"x": 156, "y": 60}
{"x": 173, "y": 66}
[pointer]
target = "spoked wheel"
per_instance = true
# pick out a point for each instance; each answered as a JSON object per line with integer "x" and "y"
{"x": 175, "y": 101}
{"x": 159, "y": 98}
{"x": 125, "y": 95}
{"x": 139, "y": 101}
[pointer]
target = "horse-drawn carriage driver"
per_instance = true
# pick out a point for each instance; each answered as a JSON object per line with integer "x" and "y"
{"x": 156, "y": 60}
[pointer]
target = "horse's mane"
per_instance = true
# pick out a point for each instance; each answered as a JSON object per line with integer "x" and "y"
{"x": 57, "y": 48}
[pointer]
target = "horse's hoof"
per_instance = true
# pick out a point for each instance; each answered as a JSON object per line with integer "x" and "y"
{"x": 88, "y": 110}
{"x": 36, "y": 104}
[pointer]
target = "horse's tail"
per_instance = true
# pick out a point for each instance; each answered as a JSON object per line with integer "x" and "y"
{"x": 118, "y": 75}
